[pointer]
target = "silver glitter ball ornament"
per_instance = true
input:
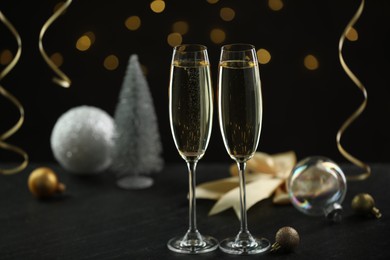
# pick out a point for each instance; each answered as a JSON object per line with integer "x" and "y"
{"x": 81, "y": 140}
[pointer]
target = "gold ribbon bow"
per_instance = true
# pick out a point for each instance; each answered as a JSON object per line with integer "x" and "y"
{"x": 265, "y": 175}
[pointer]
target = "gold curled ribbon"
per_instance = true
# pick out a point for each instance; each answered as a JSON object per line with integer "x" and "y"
{"x": 360, "y": 109}
{"x": 62, "y": 79}
{"x": 15, "y": 101}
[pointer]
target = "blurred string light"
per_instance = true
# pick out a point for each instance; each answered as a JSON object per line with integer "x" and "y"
{"x": 311, "y": 62}
{"x": 157, "y": 6}
{"x": 133, "y": 23}
{"x": 85, "y": 41}
{"x": 352, "y": 35}
{"x": 111, "y": 62}
{"x": 57, "y": 59}
{"x": 6, "y": 57}
{"x": 174, "y": 39}
{"x": 263, "y": 56}
{"x": 180, "y": 27}
{"x": 217, "y": 35}
{"x": 212, "y": 1}
{"x": 275, "y": 5}
{"x": 227, "y": 14}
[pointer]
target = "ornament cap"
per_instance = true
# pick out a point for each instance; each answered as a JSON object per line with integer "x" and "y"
{"x": 275, "y": 246}
{"x": 334, "y": 212}
{"x": 376, "y": 212}
{"x": 61, "y": 187}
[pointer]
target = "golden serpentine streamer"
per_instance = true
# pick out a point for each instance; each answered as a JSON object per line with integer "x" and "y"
{"x": 360, "y": 109}
{"x": 15, "y": 101}
{"x": 62, "y": 79}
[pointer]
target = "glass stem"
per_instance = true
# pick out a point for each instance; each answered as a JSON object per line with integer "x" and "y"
{"x": 244, "y": 221}
{"x": 192, "y": 200}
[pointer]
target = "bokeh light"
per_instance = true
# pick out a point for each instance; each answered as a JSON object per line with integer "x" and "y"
{"x": 217, "y": 35}
{"x": 263, "y": 56}
{"x": 91, "y": 36}
{"x": 133, "y": 23}
{"x": 157, "y": 6}
{"x": 57, "y": 59}
{"x": 311, "y": 62}
{"x": 111, "y": 62}
{"x": 174, "y": 39}
{"x": 83, "y": 43}
{"x": 180, "y": 27}
{"x": 227, "y": 14}
{"x": 6, "y": 57}
{"x": 275, "y": 5}
{"x": 144, "y": 69}
{"x": 352, "y": 35}
{"x": 212, "y": 1}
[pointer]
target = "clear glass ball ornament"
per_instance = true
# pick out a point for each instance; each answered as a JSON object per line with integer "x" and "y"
{"x": 317, "y": 187}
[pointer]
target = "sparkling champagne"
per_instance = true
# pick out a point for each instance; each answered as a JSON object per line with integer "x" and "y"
{"x": 240, "y": 104}
{"x": 191, "y": 109}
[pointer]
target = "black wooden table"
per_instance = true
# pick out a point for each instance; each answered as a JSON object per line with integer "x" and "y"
{"x": 97, "y": 220}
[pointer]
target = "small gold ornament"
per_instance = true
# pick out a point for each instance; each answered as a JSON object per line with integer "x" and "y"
{"x": 43, "y": 183}
{"x": 287, "y": 239}
{"x": 364, "y": 204}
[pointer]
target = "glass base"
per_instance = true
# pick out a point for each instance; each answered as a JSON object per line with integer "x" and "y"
{"x": 245, "y": 247}
{"x": 135, "y": 182}
{"x": 186, "y": 245}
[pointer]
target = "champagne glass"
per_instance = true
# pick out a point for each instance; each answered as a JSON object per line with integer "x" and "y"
{"x": 190, "y": 114}
{"x": 240, "y": 119}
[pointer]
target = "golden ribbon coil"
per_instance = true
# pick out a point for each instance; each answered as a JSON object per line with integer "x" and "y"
{"x": 15, "y": 101}
{"x": 62, "y": 79}
{"x": 360, "y": 109}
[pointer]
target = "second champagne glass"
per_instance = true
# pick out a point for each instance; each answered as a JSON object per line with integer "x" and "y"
{"x": 240, "y": 119}
{"x": 190, "y": 113}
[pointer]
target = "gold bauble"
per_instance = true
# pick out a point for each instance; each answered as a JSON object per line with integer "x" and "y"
{"x": 364, "y": 204}
{"x": 287, "y": 239}
{"x": 43, "y": 183}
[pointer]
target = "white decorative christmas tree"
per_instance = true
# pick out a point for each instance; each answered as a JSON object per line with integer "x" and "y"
{"x": 137, "y": 145}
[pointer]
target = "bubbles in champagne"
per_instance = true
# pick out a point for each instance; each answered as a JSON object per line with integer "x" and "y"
{"x": 191, "y": 112}
{"x": 241, "y": 108}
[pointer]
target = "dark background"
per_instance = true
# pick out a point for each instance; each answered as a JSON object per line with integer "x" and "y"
{"x": 303, "y": 109}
